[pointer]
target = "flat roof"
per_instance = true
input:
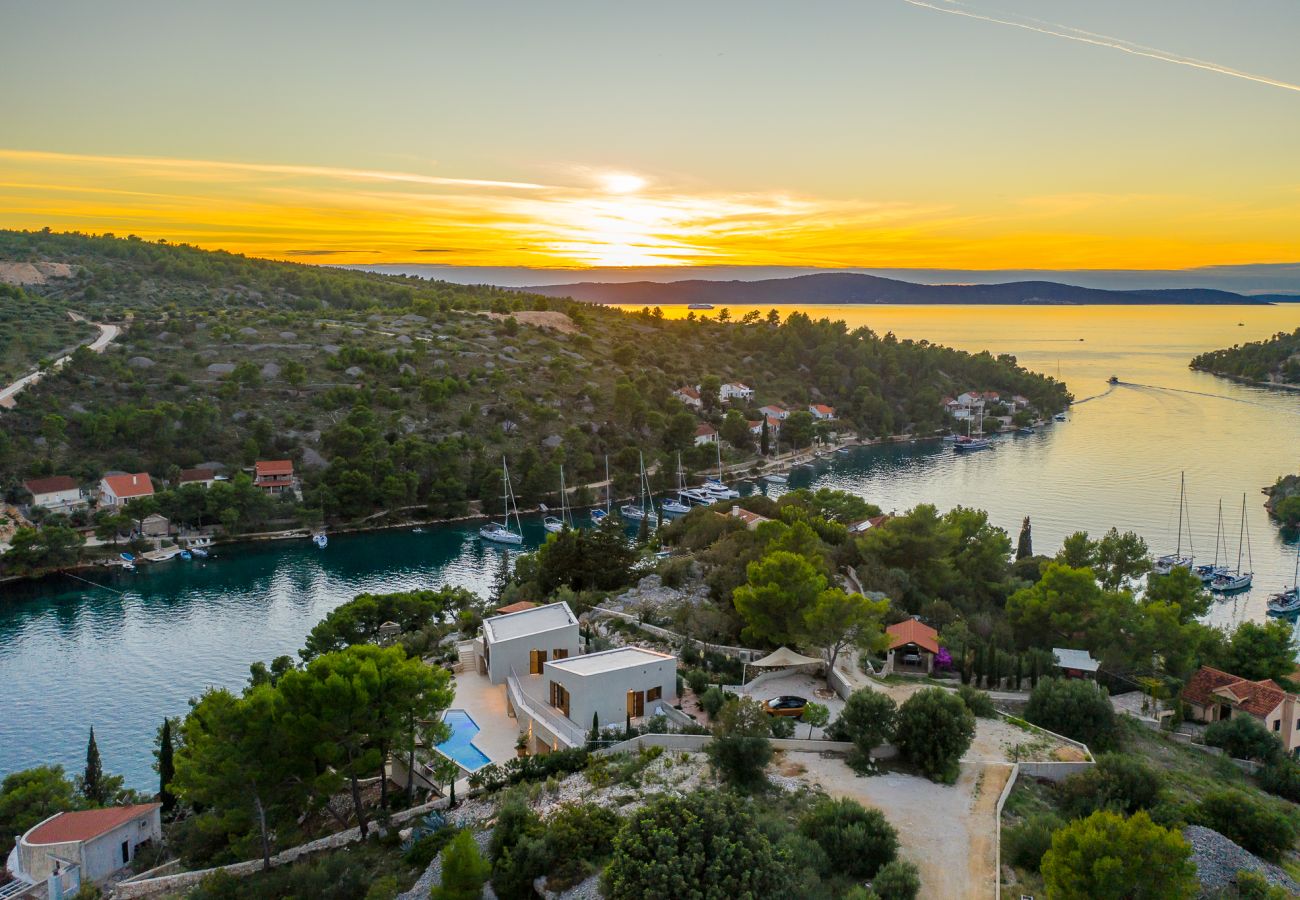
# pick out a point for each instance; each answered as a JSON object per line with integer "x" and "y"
{"x": 529, "y": 621}
{"x": 609, "y": 660}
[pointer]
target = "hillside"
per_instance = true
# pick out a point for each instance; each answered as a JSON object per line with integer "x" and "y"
{"x": 1276, "y": 360}
{"x": 845, "y": 287}
{"x": 393, "y": 391}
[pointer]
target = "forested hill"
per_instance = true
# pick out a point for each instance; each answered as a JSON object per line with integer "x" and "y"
{"x": 1274, "y": 360}
{"x": 847, "y": 287}
{"x": 391, "y": 390}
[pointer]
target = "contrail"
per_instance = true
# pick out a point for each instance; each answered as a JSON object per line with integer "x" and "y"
{"x": 1101, "y": 40}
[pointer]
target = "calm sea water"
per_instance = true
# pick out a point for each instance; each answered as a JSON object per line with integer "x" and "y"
{"x": 72, "y": 655}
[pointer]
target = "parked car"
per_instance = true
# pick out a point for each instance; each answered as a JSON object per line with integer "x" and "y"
{"x": 785, "y": 706}
{"x": 912, "y": 659}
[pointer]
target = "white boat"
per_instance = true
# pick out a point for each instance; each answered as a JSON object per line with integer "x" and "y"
{"x": 1208, "y": 572}
{"x": 966, "y": 443}
{"x": 1060, "y": 417}
{"x": 681, "y": 505}
{"x": 599, "y": 515}
{"x": 500, "y": 532}
{"x": 1176, "y": 560}
{"x": 641, "y": 510}
{"x": 775, "y": 478}
{"x": 716, "y": 486}
{"x": 1237, "y": 580}
{"x": 320, "y": 540}
{"x": 556, "y": 524}
{"x": 842, "y": 450}
{"x": 1288, "y": 601}
{"x": 198, "y": 553}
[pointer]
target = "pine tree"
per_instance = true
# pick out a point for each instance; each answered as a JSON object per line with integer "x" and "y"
{"x": 92, "y": 781}
{"x": 1025, "y": 546}
{"x": 166, "y": 767}
{"x": 1019, "y": 670}
{"x": 764, "y": 439}
{"x": 501, "y": 580}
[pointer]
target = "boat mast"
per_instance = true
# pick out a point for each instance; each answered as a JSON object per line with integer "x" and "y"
{"x": 1182, "y": 498}
{"x": 609, "y": 486}
{"x": 1218, "y": 535}
{"x": 1242, "y": 533}
{"x": 564, "y": 499}
{"x": 641, "y": 456}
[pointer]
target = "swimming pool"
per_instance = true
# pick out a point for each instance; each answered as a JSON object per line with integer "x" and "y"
{"x": 460, "y": 746}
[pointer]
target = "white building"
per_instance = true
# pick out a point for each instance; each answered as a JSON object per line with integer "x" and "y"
{"x": 775, "y": 412}
{"x": 705, "y": 434}
{"x": 521, "y": 643}
{"x": 92, "y": 843}
{"x": 821, "y": 411}
{"x": 114, "y": 490}
{"x": 734, "y": 390}
{"x": 612, "y": 685}
{"x": 690, "y": 396}
{"x": 57, "y": 494}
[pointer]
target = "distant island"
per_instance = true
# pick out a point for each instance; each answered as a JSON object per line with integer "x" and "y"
{"x": 848, "y": 287}
{"x": 1274, "y": 361}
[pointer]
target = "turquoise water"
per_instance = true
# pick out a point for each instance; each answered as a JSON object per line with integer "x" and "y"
{"x": 122, "y": 657}
{"x": 460, "y": 745}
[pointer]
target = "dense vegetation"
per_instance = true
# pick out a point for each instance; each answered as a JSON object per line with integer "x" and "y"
{"x": 1276, "y": 359}
{"x": 398, "y": 392}
{"x": 33, "y": 329}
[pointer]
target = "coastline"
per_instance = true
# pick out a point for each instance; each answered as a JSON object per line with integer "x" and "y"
{"x": 1282, "y": 385}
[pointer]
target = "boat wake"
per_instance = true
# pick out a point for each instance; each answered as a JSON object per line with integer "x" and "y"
{"x": 1109, "y": 388}
{"x": 1156, "y": 387}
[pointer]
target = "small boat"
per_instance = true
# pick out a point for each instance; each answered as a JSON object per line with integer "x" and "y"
{"x": 1026, "y": 429}
{"x": 1114, "y": 379}
{"x": 775, "y": 478}
{"x": 1237, "y": 580}
{"x": 1170, "y": 561}
{"x": 320, "y": 540}
{"x": 598, "y": 515}
{"x": 500, "y": 532}
{"x": 640, "y": 511}
{"x": 699, "y": 306}
{"x": 126, "y": 557}
{"x": 198, "y": 553}
{"x": 1287, "y": 602}
{"x": 842, "y": 450}
{"x": 186, "y": 555}
{"x": 417, "y": 531}
{"x": 128, "y": 567}
{"x": 556, "y": 524}
{"x": 1060, "y": 417}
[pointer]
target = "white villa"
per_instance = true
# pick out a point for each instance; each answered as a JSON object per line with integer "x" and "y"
{"x": 690, "y": 396}
{"x": 520, "y": 643}
{"x": 705, "y": 434}
{"x": 734, "y": 390}
{"x": 612, "y": 685}
{"x": 59, "y": 493}
{"x": 775, "y": 412}
{"x": 821, "y": 411}
{"x": 86, "y": 846}
{"x": 114, "y": 490}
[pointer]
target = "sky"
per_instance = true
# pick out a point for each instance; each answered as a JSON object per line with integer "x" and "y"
{"x": 1098, "y": 134}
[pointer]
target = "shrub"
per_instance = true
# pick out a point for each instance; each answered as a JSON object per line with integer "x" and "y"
{"x": 519, "y": 866}
{"x": 424, "y": 850}
{"x": 1254, "y": 826}
{"x": 1254, "y": 886}
{"x": 515, "y": 821}
{"x": 705, "y": 844}
{"x": 1025, "y": 844}
{"x": 530, "y": 768}
{"x": 806, "y": 855}
{"x": 712, "y": 700}
{"x": 740, "y": 749}
{"x": 1108, "y": 857}
{"x": 464, "y": 870}
{"x": 782, "y": 727}
{"x": 857, "y": 840}
{"x": 898, "y": 880}
{"x": 978, "y": 702}
{"x": 868, "y": 721}
{"x": 934, "y": 729}
{"x": 1281, "y": 778}
{"x": 1075, "y": 708}
{"x": 578, "y": 835}
{"x": 1120, "y": 783}
{"x": 698, "y": 681}
{"x": 1243, "y": 737}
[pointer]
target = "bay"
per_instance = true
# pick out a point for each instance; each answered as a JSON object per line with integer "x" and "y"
{"x": 123, "y": 656}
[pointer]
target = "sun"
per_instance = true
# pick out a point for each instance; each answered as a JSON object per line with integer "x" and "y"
{"x": 622, "y": 182}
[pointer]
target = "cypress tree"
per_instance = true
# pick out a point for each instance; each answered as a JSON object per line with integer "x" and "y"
{"x": 92, "y": 780}
{"x": 643, "y": 530}
{"x": 1025, "y": 546}
{"x": 1019, "y": 669}
{"x": 594, "y": 739}
{"x": 765, "y": 439}
{"x": 166, "y": 768}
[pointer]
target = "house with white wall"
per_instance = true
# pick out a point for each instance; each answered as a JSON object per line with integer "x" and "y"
{"x": 94, "y": 842}
{"x": 775, "y": 411}
{"x": 705, "y": 434}
{"x": 821, "y": 411}
{"x": 521, "y": 643}
{"x": 114, "y": 490}
{"x": 59, "y": 493}
{"x": 690, "y": 396}
{"x": 735, "y": 390}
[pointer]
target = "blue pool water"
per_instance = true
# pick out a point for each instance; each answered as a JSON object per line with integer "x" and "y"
{"x": 460, "y": 746}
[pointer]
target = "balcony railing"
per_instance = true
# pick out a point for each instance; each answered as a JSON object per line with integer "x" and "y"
{"x": 540, "y": 712}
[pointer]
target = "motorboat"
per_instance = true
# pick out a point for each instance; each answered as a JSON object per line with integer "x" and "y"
{"x": 186, "y": 555}
{"x": 674, "y": 507}
{"x": 417, "y": 531}
{"x": 699, "y": 306}
{"x": 775, "y": 478}
{"x": 1026, "y": 429}
{"x": 696, "y": 497}
{"x": 1060, "y": 417}
{"x": 320, "y": 540}
{"x": 198, "y": 553}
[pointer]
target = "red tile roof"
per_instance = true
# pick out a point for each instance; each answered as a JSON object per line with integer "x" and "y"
{"x": 910, "y": 631}
{"x": 824, "y": 409}
{"x": 689, "y": 392}
{"x": 191, "y": 475}
{"x": 272, "y": 467}
{"x": 126, "y": 486}
{"x": 703, "y": 430}
{"x": 1259, "y": 698}
{"x": 86, "y": 824}
{"x": 51, "y": 485}
{"x": 520, "y": 606}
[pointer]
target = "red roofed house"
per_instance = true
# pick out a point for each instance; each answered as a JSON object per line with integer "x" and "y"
{"x": 821, "y": 412}
{"x": 1212, "y": 695}
{"x": 204, "y": 477}
{"x": 705, "y": 434}
{"x": 274, "y": 476}
{"x": 864, "y": 525}
{"x": 690, "y": 396}
{"x": 114, "y": 490}
{"x": 97, "y": 842}
{"x": 774, "y": 411}
{"x": 912, "y": 647}
{"x": 751, "y": 519}
{"x": 57, "y": 494}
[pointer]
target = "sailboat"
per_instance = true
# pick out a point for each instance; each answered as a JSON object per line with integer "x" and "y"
{"x": 638, "y": 512}
{"x": 1237, "y": 580}
{"x": 500, "y": 532}
{"x": 967, "y": 444}
{"x": 715, "y": 486}
{"x": 682, "y": 504}
{"x": 556, "y": 524}
{"x": 598, "y": 515}
{"x": 1210, "y": 572}
{"x": 777, "y": 477}
{"x": 1288, "y": 601}
{"x": 1170, "y": 561}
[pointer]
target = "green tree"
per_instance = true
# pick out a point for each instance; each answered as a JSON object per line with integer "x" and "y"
{"x": 166, "y": 767}
{"x": 1108, "y": 857}
{"x": 29, "y": 797}
{"x": 735, "y": 430}
{"x": 1076, "y": 708}
{"x": 92, "y": 785}
{"x": 856, "y": 840}
{"x": 1262, "y": 651}
{"x": 705, "y": 844}
{"x": 32, "y": 550}
{"x": 1066, "y": 605}
{"x": 1243, "y": 737}
{"x": 1118, "y": 782}
{"x": 464, "y": 870}
{"x": 740, "y": 749}
{"x": 765, "y": 439}
{"x": 797, "y": 429}
{"x": 898, "y": 880}
{"x": 816, "y": 715}
{"x": 868, "y": 721}
{"x": 710, "y": 388}
{"x": 1025, "y": 544}
{"x": 934, "y": 728}
{"x": 838, "y": 620}
{"x": 1121, "y": 557}
{"x": 358, "y": 621}
{"x": 1255, "y": 826}
{"x": 781, "y": 589}
{"x": 1077, "y": 551}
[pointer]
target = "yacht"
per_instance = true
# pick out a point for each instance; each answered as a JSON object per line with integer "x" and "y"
{"x": 1287, "y": 602}
{"x": 775, "y": 478}
{"x": 638, "y": 512}
{"x": 680, "y": 506}
{"x": 500, "y": 532}
{"x": 1060, "y": 417}
{"x": 598, "y": 515}
{"x": 968, "y": 444}
{"x": 699, "y": 306}
{"x": 1237, "y": 580}
{"x": 556, "y": 524}
{"x": 1208, "y": 572}
{"x": 1176, "y": 560}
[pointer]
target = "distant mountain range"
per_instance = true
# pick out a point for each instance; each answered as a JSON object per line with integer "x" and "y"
{"x": 845, "y": 287}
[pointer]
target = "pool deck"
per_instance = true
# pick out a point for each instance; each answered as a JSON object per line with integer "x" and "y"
{"x": 486, "y": 704}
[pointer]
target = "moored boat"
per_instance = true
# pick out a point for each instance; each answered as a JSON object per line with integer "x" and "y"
{"x": 1176, "y": 560}
{"x": 1237, "y": 580}
{"x": 320, "y": 540}
{"x": 500, "y": 532}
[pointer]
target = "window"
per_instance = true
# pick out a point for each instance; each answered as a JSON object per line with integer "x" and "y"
{"x": 654, "y": 693}
{"x": 536, "y": 659}
{"x": 636, "y": 704}
{"x": 559, "y": 697}
{"x": 1277, "y": 724}
{"x": 126, "y": 852}
{"x": 559, "y": 653}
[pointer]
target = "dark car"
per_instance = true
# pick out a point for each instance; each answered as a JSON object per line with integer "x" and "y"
{"x": 785, "y": 706}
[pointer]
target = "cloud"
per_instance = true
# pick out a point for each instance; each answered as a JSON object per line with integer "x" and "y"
{"x": 951, "y": 7}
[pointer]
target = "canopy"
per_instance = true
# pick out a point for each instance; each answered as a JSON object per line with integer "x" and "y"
{"x": 783, "y": 657}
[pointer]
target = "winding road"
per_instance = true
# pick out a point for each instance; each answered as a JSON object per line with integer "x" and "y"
{"x": 107, "y": 334}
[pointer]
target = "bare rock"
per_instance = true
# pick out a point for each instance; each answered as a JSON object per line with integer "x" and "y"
{"x": 288, "y": 336}
{"x": 551, "y": 441}
{"x": 332, "y": 349}
{"x": 353, "y": 371}
{"x": 312, "y": 459}
{"x": 140, "y": 362}
{"x": 403, "y": 339}
{"x": 270, "y": 370}
{"x": 248, "y": 332}
{"x": 221, "y": 369}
